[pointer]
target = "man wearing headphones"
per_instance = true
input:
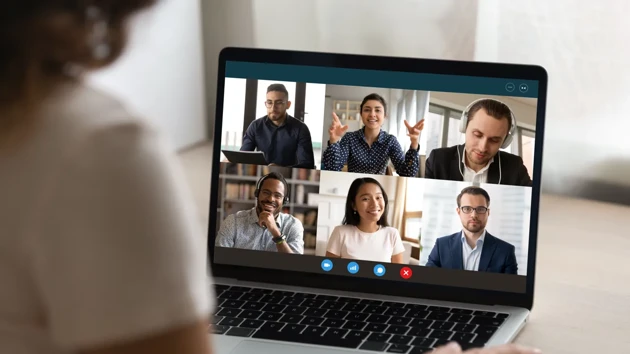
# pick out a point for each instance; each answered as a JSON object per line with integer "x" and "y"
{"x": 489, "y": 125}
{"x": 264, "y": 227}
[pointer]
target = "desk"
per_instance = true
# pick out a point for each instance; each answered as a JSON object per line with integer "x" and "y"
{"x": 582, "y": 291}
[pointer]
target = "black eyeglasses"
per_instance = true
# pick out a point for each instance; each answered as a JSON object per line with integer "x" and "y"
{"x": 270, "y": 104}
{"x": 469, "y": 209}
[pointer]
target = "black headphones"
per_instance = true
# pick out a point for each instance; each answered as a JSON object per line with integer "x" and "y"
{"x": 273, "y": 175}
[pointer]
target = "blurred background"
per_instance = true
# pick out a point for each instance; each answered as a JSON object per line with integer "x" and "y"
{"x": 582, "y": 44}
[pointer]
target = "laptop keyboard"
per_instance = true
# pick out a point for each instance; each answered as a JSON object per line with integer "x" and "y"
{"x": 382, "y": 326}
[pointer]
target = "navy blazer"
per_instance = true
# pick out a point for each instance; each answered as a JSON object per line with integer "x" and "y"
{"x": 497, "y": 256}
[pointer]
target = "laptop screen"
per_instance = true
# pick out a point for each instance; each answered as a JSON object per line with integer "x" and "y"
{"x": 412, "y": 177}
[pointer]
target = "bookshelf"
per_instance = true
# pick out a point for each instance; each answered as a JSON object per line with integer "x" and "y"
{"x": 237, "y": 183}
{"x": 347, "y": 110}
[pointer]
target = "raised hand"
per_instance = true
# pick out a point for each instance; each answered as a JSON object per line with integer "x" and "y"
{"x": 336, "y": 130}
{"x": 413, "y": 132}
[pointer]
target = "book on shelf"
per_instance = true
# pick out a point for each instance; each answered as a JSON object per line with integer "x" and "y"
{"x": 310, "y": 240}
{"x": 237, "y": 169}
{"x": 307, "y": 175}
{"x": 243, "y": 191}
{"x": 310, "y": 219}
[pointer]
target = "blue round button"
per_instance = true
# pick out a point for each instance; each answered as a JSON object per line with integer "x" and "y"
{"x": 327, "y": 265}
{"x": 353, "y": 267}
{"x": 379, "y": 270}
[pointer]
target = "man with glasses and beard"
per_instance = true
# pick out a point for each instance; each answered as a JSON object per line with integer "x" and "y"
{"x": 264, "y": 227}
{"x": 285, "y": 140}
{"x": 473, "y": 248}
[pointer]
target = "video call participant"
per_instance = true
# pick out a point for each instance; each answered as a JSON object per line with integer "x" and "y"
{"x": 285, "y": 140}
{"x": 365, "y": 234}
{"x": 264, "y": 227}
{"x": 489, "y": 125}
{"x": 473, "y": 248}
{"x": 369, "y": 149}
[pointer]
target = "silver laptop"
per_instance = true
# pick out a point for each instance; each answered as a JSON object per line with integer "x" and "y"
{"x": 418, "y": 225}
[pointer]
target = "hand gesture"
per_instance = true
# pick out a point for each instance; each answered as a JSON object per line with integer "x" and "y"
{"x": 454, "y": 348}
{"x": 266, "y": 220}
{"x": 413, "y": 132}
{"x": 336, "y": 130}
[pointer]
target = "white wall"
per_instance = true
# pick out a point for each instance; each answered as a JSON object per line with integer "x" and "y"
{"x": 161, "y": 76}
{"x": 585, "y": 48}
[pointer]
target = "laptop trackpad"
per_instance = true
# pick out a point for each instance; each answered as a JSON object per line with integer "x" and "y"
{"x": 251, "y": 346}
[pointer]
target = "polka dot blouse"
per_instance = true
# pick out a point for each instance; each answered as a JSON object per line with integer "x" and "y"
{"x": 353, "y": 150}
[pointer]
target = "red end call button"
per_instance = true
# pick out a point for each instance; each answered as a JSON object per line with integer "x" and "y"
{"x": 406, "y": 272}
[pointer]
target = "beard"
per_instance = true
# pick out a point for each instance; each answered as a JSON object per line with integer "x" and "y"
{"x": 269, "y": 207}
{"x": 475, "y": 227}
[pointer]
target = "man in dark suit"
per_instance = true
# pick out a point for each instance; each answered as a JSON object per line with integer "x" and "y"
{"x": 489, "y": 126}
{"x": 473, "y": 248}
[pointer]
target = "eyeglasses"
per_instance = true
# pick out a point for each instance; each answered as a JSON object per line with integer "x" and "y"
{"x": 469, "y": 209}
{"x": 270, "y": 104}
{"x": 266, "y": 194}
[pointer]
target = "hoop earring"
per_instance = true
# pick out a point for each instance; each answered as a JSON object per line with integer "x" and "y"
{"x": 97, "y": 39}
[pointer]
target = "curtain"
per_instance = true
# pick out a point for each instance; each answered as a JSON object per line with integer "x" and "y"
{"x": 399, "y": 207}
{"x": 412, "y": 106}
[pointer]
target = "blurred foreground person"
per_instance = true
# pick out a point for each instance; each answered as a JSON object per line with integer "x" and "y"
{"x": 100, "y": 247}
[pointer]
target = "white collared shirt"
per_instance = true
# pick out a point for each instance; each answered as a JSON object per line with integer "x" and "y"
{"x": 476, "y": 177}
{"x": 471, "y": 256}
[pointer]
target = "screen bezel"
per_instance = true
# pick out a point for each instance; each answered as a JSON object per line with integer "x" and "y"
{"x": 369, "y": 62}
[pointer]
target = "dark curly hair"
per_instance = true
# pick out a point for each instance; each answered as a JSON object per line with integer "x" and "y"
{"x": 39, "y": 38}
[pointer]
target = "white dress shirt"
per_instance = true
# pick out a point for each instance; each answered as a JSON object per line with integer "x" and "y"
{"x": 475, "y": 177}
{"x": 471, "y": 256}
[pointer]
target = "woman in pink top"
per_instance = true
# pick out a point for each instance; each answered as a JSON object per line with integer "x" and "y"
{"x": 365, "y": 234}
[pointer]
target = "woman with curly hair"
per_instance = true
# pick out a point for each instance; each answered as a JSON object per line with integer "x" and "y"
{"x": 100, "y": 251}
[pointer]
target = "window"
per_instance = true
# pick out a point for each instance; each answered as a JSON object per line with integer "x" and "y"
{"x": 454, "y": 137}
{"x": 527, "y": 149}
{"x": 261, "y": 96}
{"x": 314, "y": 106}
{"x": 412, "y": 215}
{"x": 431, "y": 137}
{"x": 233, "y": 113}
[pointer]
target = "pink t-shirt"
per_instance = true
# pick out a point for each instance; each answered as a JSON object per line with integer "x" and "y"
{"x": 348, "y": 241}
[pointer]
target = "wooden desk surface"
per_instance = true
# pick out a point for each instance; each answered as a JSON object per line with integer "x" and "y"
{"x": 582, "y": 291}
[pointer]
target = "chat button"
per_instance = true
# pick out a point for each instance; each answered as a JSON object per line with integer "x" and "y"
{"x": 379, "y": 270}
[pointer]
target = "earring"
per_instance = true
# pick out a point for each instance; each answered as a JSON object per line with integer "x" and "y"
{"x": 98, "y": 36}
{"x": 355, "y": 212}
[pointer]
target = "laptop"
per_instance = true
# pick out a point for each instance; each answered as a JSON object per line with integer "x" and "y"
{"x": 346, "y": 258}
{"x": 245, "y": 157}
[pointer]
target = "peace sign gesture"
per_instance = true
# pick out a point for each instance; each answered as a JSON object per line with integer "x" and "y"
{"x": 336, "y": 130}
{"x": 413, "y": 132}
